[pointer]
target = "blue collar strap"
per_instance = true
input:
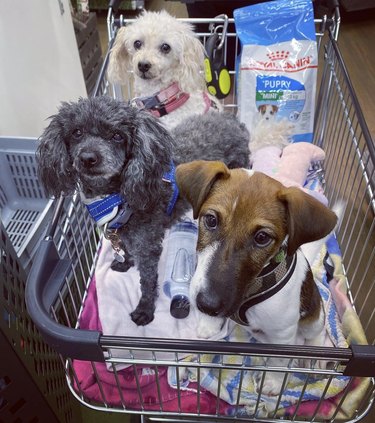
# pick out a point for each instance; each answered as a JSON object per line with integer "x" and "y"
{"x": 112, "y": 209}
{"x": 170, "y": 177}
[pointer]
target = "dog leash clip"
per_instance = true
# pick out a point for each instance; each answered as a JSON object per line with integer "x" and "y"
{"x": 115, "y": 241}
{"x": 216, "y": 74}
{"x": 223, "y": 28}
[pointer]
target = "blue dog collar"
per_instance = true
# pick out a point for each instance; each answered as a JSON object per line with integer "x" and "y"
{"x": 170, "y": 177}
{"x": 112, "y": 210}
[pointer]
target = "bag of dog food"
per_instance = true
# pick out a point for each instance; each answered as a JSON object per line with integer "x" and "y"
{"x": 278, "y": 65}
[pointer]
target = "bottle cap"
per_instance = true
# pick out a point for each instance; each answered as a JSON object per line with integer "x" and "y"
{"x": 180, "y": 307}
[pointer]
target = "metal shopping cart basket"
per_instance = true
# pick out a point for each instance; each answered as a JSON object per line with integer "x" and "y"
{"x": 27, "y": 360}
{"x": 206, "y": 380}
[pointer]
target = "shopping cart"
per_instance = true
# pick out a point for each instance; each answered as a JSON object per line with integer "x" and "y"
{"x": 147, "y": 376}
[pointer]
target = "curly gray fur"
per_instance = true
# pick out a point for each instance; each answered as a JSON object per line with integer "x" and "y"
{"x": 108, "y": 147}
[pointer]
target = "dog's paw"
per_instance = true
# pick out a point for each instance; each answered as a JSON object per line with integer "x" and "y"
{"x": 121, "y": 266}
{"x": 142, "y": 317}
{"x": 273, "y": 383}
{"x": 209, "y": 327}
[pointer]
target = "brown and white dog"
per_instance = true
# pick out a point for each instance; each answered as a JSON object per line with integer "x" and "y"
{"x": 268, "y": 111}
{"x": 251, "y": 229}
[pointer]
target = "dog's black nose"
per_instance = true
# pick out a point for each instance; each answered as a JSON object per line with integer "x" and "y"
{"x": 88, "y": 158}
{"x": 209, "y": 304}
{"x": 144, "y": 66}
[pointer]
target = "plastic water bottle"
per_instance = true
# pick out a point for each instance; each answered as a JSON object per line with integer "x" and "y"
{"x": 180, "y": 266}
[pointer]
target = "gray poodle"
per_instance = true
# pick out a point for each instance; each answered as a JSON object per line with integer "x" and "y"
{"x": 102, "y": 146}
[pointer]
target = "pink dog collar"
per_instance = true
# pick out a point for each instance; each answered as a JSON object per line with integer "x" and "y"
{"x": 163, "y": 102}
{"x": 208, "y": 102}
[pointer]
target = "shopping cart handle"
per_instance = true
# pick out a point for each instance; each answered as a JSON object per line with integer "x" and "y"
{"x": 362, "y": 362}
{"x": 45, "y": 279}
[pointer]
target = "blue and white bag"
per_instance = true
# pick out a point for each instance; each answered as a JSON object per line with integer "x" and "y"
{"x": 278, "y": 64}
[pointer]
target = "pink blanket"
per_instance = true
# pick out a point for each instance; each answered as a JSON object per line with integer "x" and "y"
{"x": 107, "y": 391}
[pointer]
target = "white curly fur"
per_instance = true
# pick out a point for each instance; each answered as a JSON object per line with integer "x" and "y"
{"x": 270, "y": 133}
{"x": 183, "y": 63}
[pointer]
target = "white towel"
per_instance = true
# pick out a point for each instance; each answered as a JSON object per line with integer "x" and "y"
{"x": 118, "y": 295}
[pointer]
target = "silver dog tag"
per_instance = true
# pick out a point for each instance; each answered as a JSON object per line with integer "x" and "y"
{"x": 119, "y": 257}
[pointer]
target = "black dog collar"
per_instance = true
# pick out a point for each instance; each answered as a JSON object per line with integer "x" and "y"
{"x": 271, "y": 280}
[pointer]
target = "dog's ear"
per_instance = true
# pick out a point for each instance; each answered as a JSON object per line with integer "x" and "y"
{"x": 119, "y": 60}
{"x": 54, "y": 165}
{"x": 195, "y": 180}
{"x": 308, "y": 219}
{"x": 189, "y": 74}
{"x": 150, "y": 156}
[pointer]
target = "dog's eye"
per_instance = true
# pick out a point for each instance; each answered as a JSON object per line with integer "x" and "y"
{"x": 117, "y": 137}
{"x": 137, "y": 44}
{"x": 210, "y": 221}
{"x": 262, "y": 239}
{"x": 165, "y": 48}
{"x": 77, "y": 133}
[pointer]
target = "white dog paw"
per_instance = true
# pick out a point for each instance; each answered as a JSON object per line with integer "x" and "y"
{"x": 273, "y": 383}
{"x": 209, "y": 327}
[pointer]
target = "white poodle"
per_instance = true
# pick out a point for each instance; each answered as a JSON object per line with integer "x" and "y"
{"x": 167, "y": 62}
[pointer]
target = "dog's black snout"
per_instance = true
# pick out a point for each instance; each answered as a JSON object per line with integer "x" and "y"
{"x": 209, "y": 304}
{"x": 144, "y": 66}
{"x": 88, "y": 158}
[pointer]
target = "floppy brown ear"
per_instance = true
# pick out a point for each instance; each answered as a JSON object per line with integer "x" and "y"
{"x": 119, "y": 61}
{"x": 308, "y": 219}
{"x": 195, "y": 180}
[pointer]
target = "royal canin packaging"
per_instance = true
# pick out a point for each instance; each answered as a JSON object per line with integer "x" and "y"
{"x": 277, "y": 68}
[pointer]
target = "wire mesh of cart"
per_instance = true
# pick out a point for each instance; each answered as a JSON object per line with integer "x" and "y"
{"x": 207, "y": 380}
